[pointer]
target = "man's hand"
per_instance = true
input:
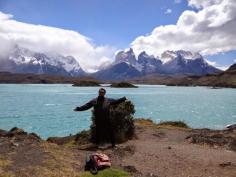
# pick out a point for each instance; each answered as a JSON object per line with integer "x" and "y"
{"x": 75, "y": 109}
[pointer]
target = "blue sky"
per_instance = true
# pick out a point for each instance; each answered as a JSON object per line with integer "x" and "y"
{"x": 115, "y": 23}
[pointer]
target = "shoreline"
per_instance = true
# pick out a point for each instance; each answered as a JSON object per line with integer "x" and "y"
{"x": 224, "y": 128}
{"x": 137, "y": 84}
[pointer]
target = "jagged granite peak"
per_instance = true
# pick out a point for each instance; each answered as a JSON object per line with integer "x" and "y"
{"x": 119, "y": 71}
{"x": 126, "y": 56}
{"x": 171, "y": 63}
{"x": 170, "y": 55}
{"x": 144, "y": 58}
{"x": 185, "y": 62}
{"x": 149, "y": 63}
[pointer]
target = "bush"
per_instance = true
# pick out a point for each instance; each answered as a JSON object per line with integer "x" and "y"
{"x": 107, "y": 173}
{"x": 180, "y": 124}
{"x": 122, "y": 122}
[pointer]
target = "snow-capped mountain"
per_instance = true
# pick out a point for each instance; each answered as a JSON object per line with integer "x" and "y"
{"x": 170, "y": 63}
{"x": 125, "y": 66}
{"x": 144, "y": 63}
{"x": 185, "y": 62}
{"x": 149, "y": 64}
{"x": 22, "y": 60}
{"x": 170, "y": 55}
{"x": 126, "y": 56}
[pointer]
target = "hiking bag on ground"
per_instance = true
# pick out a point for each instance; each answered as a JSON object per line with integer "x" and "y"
{"x": 97, "y": 161}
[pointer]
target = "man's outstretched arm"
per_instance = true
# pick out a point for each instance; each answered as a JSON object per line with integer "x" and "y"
{"x": 85, "y": 106}
{"x": 117, "y": 101}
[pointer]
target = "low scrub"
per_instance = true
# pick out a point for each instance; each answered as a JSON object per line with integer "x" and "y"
{"x": 180, "y": 124}
{"x": 149, "y": 122}
{"x": 107, "y": 173}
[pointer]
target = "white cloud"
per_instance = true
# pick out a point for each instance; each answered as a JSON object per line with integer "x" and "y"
{"x": 235, "y": 60}
{"x": 168, "y": 11}
{"x": 223, "y": 68}
{"x": 213, "y": 63}
{"x": 203, "y": 3}
{"x": 178, "y": 1}
{"x": 210, "y": 30}
{"x": 47, "y": 39}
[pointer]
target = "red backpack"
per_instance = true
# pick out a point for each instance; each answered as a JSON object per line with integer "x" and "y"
{"x": 97, "y": 161}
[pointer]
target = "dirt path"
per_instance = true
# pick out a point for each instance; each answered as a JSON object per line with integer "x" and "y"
{"x": 162, "y": 152}
{"x": 167, "y": 153}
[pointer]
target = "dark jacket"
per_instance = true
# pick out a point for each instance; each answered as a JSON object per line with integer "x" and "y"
{"x": 107, "y": 102}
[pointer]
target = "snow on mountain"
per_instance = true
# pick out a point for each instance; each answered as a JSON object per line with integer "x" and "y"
{"x": 126, "y": 56}
{"x": 170, "y": 55}
{"x": 171, "y": 62}
{"x": 126, "y": 64}
{"x": 24, "y": 60}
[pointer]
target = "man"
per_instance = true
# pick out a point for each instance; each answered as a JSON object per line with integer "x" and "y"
{"x": 101, "y": 106}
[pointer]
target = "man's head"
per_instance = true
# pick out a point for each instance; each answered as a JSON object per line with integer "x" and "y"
{"x": 101, "y": 92}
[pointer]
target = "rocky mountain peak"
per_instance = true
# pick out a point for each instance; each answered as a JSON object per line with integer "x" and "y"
{"x": 126, "y": 56}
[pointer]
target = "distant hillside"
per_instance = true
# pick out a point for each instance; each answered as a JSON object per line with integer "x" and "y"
{"x": 28, "y": 78}
{"x": 223, "y": 79}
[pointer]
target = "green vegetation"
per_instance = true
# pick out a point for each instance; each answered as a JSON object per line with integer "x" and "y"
{"x": 144, "y": 122}
{"x": 179, "y": 124}
{"x": 123, "y": 85}
{"x": 162, "y": 124}
{"x": 107, "y": 173}
{"x": 28, "y": 78}
{"x": 122, "y": 121}
{"x": 86, "y": 83}
{"x": 83, "y": 137}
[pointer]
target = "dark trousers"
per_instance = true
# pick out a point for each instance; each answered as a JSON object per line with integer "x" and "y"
{"x": 103, "y": 128}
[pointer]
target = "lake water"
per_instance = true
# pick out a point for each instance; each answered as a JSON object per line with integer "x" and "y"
{"x": 48, "y": 109}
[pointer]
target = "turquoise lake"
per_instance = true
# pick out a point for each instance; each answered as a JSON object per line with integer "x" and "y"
{"x": 48, "y": 109}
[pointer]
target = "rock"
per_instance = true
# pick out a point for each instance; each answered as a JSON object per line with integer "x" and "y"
{"x": 60, "y": 140}
{"x": 3, "y": 133}
{"x": 231, "y": 127}
{"x": 151, "y": 175}
{"x": 14, "y": 144}
{"x": 232, "y": 145}
{"x": 86, "y": 83}
{"x": 123, "y": 85}
{"x": 213, "y": 138}
{"x": 122, "y": 151}
{"x": 225, "y": 164}
{"x": 34, "y": 136}
{"x": 16, "y": 131}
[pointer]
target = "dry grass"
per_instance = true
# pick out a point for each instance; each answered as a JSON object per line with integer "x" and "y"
{"x": 61, "y": 162}
{"x": 145, "y": 122}
{"x": 4, "y": 163}
{"x": 164, "y": 124}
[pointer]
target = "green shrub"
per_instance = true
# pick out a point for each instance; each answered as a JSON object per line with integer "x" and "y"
{"x": 107, "y": 173}
{"x": 180, "y": 124}
{"x": 122, "y": 122}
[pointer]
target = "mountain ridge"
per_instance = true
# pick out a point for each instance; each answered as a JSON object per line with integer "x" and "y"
{"x": 22, "y": 60}
{"x": 125, "y": 66}
{"x": 178, "y": 62}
